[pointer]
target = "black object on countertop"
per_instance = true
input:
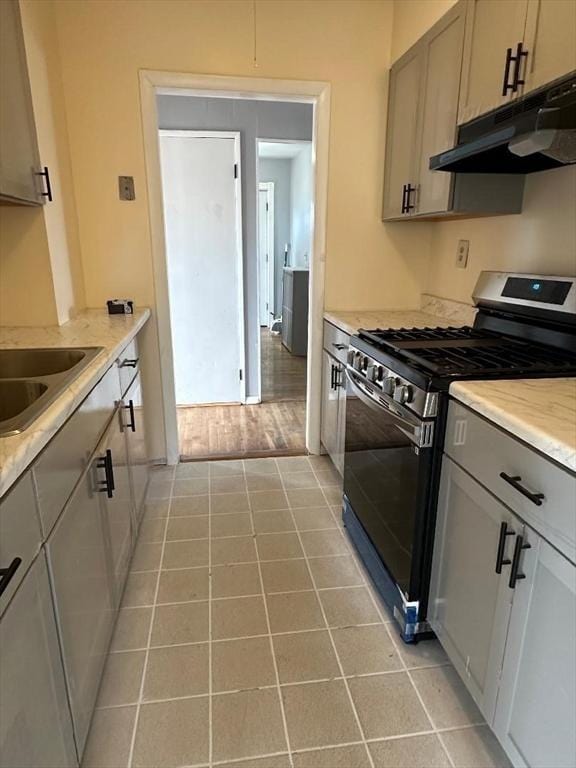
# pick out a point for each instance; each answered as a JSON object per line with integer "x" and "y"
{"x": 120, "y": 307}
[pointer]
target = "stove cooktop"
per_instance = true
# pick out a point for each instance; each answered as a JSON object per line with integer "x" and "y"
{"x": 466, "y": 351}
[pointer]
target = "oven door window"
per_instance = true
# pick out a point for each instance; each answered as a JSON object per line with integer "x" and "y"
{"x": 383, "y": 475}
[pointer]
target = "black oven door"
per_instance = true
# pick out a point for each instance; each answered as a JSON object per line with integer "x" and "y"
{"x": 387, "y": 480}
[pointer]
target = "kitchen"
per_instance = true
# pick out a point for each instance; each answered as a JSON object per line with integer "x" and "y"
{"x": 250, "y": 630}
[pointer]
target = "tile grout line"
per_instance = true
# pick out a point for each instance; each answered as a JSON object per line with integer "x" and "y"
{"x": 150, "y": 629}
{"x": 340, "y": 667}
{"x": 270, "y": 641}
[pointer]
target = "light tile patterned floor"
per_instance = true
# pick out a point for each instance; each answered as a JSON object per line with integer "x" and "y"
{"x": 250, "y": 637}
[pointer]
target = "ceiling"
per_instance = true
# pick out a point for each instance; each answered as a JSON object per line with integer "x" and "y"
{"x": 281, "y": 149}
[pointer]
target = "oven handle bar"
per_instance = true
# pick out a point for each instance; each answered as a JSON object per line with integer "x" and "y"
{"x": 413, "y": 431}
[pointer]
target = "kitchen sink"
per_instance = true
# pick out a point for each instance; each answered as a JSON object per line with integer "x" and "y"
{"x": 31, "y": 379}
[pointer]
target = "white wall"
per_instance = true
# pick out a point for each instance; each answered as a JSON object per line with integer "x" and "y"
{"x": 278, "y": 170}
{"x": 301, "y": 207}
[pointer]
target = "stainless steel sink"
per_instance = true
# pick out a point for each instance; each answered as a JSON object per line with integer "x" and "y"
{"x": 31, "y": 379}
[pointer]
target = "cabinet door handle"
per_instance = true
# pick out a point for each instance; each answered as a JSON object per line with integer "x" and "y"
{"x": 48, "y": 193}
{"x": 132, "y": 423}
{"x": 107, "y": 485}
{"x": 409, "y": 190}
{"x": 6, "y": 574}
{"x": 337, "y": 377}
{"x": 506, "y": 86}
{"x": 500, "y": 561}
{"x": 403, "y": 209}
{"x": 520, "y": 54}
{"x": 535, "y": 498}
{"x": 339, "y": 347}
{"x": 514, "y": 575}
{"x": 129, "y": 363}
{"x": 333, "y": 376}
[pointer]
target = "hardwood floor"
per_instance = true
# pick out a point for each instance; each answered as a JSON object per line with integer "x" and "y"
{"x": 275, "y": 427}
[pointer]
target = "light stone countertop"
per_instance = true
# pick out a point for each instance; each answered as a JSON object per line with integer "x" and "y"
{"x": 91, "y": 328}
{"x": 351, "y": 322}
{"x": 541, "y": 412}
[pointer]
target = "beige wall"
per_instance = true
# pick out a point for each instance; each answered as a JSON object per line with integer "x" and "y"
{"x": 412, "y": 18}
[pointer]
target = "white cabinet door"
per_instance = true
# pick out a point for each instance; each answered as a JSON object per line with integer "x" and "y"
{"x": 401, "y": 136}
{"x": 469, "y": 601}
{"x": 492, "y": 27}
{"x": 35, "y": 724}
{"x": 134, "y": 427}
{"x": 536, "y": 714}
{"x": 550, "y": 40}
{"x": 329, "y": 426}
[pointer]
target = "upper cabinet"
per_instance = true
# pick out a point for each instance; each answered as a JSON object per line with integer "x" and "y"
{"x": 550, "y": 40}
{"x": 21, "y": 180}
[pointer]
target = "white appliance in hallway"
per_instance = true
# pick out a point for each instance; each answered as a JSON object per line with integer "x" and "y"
{"x": 202, "y": 219}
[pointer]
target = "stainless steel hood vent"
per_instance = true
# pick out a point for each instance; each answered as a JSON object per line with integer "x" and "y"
{"x": 534, "y": 133}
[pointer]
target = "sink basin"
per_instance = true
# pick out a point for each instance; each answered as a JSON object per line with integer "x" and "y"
{"x": 23, "y": 363}
{"x": 31, "y": 379}
{"x": 17, "y": 396}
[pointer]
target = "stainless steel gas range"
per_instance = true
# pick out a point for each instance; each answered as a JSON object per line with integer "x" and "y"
{"x": 396, "y": 400}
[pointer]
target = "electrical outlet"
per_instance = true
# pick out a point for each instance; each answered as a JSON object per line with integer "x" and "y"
{"x": 462, "y": 253}
{"x": 126, "y": 188}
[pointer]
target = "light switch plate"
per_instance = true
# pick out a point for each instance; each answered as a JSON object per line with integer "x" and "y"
{"x": 462, "y": 253}
{"x": 126, "y": 188}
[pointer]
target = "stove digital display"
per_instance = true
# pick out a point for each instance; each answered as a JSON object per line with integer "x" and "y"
{"x": 546, "y": 291}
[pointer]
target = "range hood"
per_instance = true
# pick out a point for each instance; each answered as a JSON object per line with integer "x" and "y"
{"x": 534, "y": 133}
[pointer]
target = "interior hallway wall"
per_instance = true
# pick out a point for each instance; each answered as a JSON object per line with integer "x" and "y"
{"x": 278, "y": 170}
{"x": 253, "y": 119}
{"x": 301, "y": 187}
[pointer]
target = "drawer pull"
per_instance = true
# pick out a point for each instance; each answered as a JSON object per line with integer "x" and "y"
{"x": 535, "y": 498}
{"x": 500, "y": 561}
{"x": 129, "y": 363}
{"x": 514, "y": 575}
{"x": 132, "y": 423}
{"x": 339, "y": 346}
{"x": 6, "y": 574}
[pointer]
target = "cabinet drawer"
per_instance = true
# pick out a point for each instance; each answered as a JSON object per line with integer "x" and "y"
{"x": 128, "y": 365}
{"x": 20, "y": 534}
{"x": 336, "y": 341}
{"x": 486, "y": 451}
{"x": 59, "y": 467}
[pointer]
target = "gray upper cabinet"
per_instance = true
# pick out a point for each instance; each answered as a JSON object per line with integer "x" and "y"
{"x": 19, "y": 160}
{"x": 35, "y": 726}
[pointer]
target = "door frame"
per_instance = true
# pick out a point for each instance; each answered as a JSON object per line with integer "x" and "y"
{"x": 268, "y": 187}
{"x": 317, "y": 93}
{"x": 239, "y": 250}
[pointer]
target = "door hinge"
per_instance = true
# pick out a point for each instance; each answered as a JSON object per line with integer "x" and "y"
{"x": 266, "y": 206}
{"x": 235, "y": 170}
{"x": 266, "y": 258}
{"x": 240, "y": 374}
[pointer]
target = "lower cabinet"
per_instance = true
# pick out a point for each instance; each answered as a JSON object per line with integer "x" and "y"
{"x": 333, "y": 409}
{"x": 35, "y": 724}
{"x": 134, "y": 426}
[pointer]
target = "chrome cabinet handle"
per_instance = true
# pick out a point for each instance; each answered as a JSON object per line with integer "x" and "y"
{"x": 535, "y": 498}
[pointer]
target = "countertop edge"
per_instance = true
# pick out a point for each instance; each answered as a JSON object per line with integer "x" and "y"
{"x": 17, "y": 453}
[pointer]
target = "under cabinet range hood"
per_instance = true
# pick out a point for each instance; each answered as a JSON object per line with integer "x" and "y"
{"x": 534, "y": 133}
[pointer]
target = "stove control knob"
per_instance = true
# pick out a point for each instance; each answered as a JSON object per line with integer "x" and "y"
{"x": 389, "y": 385}
{"x": 403, "y": 393}
{"x": 375, "y": 373}
{"x": 357, "y": 362}
{"x": 350, "y": 356}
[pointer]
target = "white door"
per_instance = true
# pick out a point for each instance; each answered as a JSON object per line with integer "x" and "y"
{"x": 266, "y": 252}
{"x": 202, "y": 219}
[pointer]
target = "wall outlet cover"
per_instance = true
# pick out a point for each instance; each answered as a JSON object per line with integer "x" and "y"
{"x": 462, "y": 253}
{"x": 126, "y": 188}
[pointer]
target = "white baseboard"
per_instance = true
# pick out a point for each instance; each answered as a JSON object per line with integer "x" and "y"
{"x": 253, "y": 400}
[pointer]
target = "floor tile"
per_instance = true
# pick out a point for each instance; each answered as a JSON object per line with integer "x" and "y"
{"x": 387, "y": 705}
{"x": 320, "y": 543}
{"x": 313, "y": 518}
{"x": 260, "y": 466}
{"x": 335, "y": 572}
{"x": 287, "y": 464}
{"x": 185, "y": 554}
{"x": 269, "y": 482}
{"x": 182, "y": 528}
{"x": 266, "y": 500}
{"x": 364, "y": 650}
{"x": 306, "y": 497}
{"x": 146, "y": 557}
{"x": 140, "y": 589}
{"x": 348, "y": 607}
{"x": 329, "y": 477}
{"x": 185, "y": 506}
{"x": 241, "y": 664}
{"x": 238, "y": 524}
{"x": 156, "y": 508}
{"x": 159, "y": 489}
{"x": 228, "y": 484}
{"x": 351, "y": 756}
{"x": 132, "y": 628}
{"x": 193, "y": 469}
{"x": 247, "y": 724}
{"x": 152, "y": 530}
{"x": 445, "y": 697}
{"x": 190, "y": 486}
{"x": 240, "y": 549}
{"x": 161, "y": 472}
{"x": 296, "y": 480}
{"x": 278, "y": 546}
{"x": 181, "y": 670}
{"x": 182, "y": 585}
{"x": 426, "y": 653}
{"x": 411, "y": 752}
{"x": 172, "y": 733}
{"x": 274, "y": 761}
{"x": 294, "y": 611}
{"x": 286, "y": 576}
{"x": 226, "y": 468}
{"x": 305, "y": 656}
{"x": 333, "y": 495}
{"x": 122, "y": 679}
{"x": 273, "y": 522}
{"x": 475, "y": 748}
{"x": 239, "y": 617}
{"x": 320, "y": 462}
{"x": 187, "y": 623}
{"x": 228, "y": 503}
{"x": 235, "y": 580}
{"x": 110, "y": 738}
{"x": 319, "y": 714}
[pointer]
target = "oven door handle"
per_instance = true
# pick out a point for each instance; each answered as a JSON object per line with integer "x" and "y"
{"x": 413, "y": 431}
